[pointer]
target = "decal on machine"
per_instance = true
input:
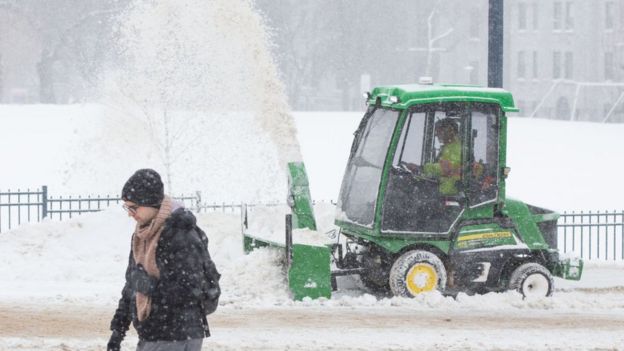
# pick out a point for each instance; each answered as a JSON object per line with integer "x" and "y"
{"x": 484, "y": 239}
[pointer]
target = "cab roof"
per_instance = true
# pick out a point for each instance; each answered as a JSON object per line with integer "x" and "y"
{"x": 412, "y": 94}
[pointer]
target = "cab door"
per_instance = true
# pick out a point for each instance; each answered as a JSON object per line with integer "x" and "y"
{"x": 481, "y": 170}
{"x": 413, "y": 202}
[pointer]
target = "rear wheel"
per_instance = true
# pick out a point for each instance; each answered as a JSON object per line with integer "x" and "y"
{"x": 417, "y": 272}
{"x": 532, "y": 280}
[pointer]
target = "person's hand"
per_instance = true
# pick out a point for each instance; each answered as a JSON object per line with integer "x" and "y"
{"x": 114, "y": 343}
{"x": 141, "y": 281}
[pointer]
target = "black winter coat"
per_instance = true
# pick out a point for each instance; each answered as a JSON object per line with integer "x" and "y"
{"x": 175, "y": 312}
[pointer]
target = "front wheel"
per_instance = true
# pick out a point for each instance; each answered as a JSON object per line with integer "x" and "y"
{"x": 417, "y": 272}
{"x": 532, "y": 280}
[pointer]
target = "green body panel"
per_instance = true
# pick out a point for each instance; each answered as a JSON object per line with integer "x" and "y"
{"x": 502, "y": 159}
{"x": 483, "y": 211}
{"x": 309, "y": 274}
{"x": 484, "y": 236}
{"x": 422, "y": 93}
{"x": 392, "y": 244}
{"x": 525, "y": 223}
{"x": 569, "y": 269}
{"x": 299, "y": 194}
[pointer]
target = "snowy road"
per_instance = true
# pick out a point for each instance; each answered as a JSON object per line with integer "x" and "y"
{"x": 75, "y": 327}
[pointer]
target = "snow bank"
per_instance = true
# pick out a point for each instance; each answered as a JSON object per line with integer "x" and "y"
{"x": 83, "y": 260}
{"x": 268, "y": 223}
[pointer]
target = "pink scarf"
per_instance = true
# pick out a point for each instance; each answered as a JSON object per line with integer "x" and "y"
{"x": 144, "y": 244}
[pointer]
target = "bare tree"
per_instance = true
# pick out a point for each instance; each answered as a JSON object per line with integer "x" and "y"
{"x": 302, "y": 28}
{"x": 71, "y": 34}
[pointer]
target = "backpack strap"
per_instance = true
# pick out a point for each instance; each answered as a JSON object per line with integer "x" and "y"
{"x": 204, "y": 240}
{"x": 205, "y": 322}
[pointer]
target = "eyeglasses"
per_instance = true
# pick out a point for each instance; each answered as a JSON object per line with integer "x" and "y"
{"x": 131, "y": 209}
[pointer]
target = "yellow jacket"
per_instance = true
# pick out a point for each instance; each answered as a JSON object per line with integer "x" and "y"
{"x": 447, "y": 169}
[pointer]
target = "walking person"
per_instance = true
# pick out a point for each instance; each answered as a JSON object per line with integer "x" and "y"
{"x": 161, "y": 295}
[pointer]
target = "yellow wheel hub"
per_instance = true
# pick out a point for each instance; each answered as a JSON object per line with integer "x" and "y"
{"x": 422, "y": 277}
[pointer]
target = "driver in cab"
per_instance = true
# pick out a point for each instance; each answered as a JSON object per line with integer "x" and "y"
{"x": 447, "y": 168}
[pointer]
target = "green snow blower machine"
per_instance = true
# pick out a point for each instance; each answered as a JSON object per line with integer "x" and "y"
{"x": 422, "y": 205}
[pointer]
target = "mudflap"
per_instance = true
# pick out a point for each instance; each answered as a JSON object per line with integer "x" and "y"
{"x": 309, "y": 274}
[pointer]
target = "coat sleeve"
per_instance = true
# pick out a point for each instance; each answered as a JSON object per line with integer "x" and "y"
{"x": 123, "y": 315}
{"x": 182, "y": 270}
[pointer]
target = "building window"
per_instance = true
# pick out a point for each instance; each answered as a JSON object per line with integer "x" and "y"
{"x": 521, "y": 65}
{"x": 556, "y": 65}
{"x": 563, "y": 65}
{"x": 609, "y": 67}
{"x": 535, "y": 16}
{"x": 557, "y": 15}
{"x": 563, "y": 15}
{"x": 609, "y": 8}
{"x": 569, "y": 16}
{"x": 522, "y": 16}
{"x": 535, "y": 65}
{"x": 569, "y": 65}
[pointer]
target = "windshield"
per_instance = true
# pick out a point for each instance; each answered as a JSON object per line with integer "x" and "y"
{"x": 360, "y": 185}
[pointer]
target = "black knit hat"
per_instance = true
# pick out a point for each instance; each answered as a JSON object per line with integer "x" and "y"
{"x": 144, "y": 188}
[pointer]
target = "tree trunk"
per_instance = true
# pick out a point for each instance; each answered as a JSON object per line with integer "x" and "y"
{"x": 46, "y": 79}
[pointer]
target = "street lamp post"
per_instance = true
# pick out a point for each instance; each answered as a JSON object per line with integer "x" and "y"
{"x": 495, "y": 44}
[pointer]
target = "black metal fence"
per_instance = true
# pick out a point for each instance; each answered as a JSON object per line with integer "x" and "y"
{"x": 593, "y": 235}
{"x": 17, "y": 207}
{"x": 63, "y": 208}
{"x": 26, "y": 206}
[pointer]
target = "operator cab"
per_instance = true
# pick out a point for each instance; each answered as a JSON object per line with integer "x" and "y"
{"x": 423, "y": 165}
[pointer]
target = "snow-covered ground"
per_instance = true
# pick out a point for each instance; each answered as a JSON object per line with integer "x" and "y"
{"x": 61, "y": 280}
{"x": 70, "y": 274}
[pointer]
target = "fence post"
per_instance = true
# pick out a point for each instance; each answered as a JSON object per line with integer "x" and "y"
{"x": 44, "y": 201}
{"x": 243, "y": 218}
{"x": 198, "y": 200}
